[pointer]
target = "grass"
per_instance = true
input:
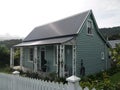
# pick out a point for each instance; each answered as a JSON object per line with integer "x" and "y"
{"x": 115, "y": 78}
{"x": 7, "y": 70}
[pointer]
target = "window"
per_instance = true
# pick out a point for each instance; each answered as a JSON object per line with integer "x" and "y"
{"x": 89, "y": 27}
{"x": 31, "y": 52}
{"x": 102, "y": 56}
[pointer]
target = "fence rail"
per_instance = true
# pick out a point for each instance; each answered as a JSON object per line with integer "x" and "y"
{"x": 12, "y": 82}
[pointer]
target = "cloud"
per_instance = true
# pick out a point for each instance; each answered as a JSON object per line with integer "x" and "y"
{"x": 8, "y": 37}
{"x": 107, "y": 13}
{"x": 19, "y": 17}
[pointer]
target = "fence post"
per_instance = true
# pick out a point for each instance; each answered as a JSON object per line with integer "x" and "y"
{"x": 73, "y": 83}
{"x": 14, "y": 85}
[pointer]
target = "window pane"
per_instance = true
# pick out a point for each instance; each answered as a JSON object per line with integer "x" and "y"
{"x": 102, "y": 55}
{"x": 89, "y": 27}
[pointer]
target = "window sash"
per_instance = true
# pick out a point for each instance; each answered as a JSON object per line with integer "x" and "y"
{"x": 102, "y": 55}
{"x": 89, "y": 27}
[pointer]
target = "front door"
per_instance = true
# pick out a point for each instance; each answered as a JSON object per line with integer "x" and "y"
{"x": 43, "y": 60}
{"x": 68, "y": 60}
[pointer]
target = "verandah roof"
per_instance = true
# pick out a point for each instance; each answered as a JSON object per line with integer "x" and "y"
{"x": 45, "y": 42}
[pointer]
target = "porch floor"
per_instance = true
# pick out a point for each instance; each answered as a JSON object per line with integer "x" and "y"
{"x": 16, "y": 68}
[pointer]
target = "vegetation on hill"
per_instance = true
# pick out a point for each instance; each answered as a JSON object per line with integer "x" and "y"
{"x": 111, "y": 33}
{"x": 4, "y": 56}
{"x": 10, "y": 43}
{"x": 5, "y": 52}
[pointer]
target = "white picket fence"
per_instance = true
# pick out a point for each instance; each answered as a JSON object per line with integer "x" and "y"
{"x": 12, "y": 82}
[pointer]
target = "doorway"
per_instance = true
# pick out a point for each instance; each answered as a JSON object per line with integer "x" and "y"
{"x": 43, "y": 60}
{"x": 68, "y": 59}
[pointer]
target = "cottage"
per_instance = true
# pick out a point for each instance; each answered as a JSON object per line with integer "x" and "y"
{"x": 69, "y": 46}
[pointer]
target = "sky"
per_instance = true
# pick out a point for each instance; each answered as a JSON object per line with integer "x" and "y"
{"x": 19, "y": 17}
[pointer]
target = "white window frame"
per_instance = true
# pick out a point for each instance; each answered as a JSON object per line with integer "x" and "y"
{"x": 102, "y": 55}
{"x": 89, "y": 25}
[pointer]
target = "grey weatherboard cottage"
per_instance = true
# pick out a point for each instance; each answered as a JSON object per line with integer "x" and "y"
{"x": 69, "y": 46}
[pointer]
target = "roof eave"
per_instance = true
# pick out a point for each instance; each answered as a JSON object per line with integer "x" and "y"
{"x": 106, "y": 42}
{"x": 83, "y": 21}
{"x": 45, "y": 42}
{"x": 51, "y": 38}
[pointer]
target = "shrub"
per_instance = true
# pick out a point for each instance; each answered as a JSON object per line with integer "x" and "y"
{"x": 4, "y": 56}
{"x": 117, "y": 86}
{"x": 43, "y": 76}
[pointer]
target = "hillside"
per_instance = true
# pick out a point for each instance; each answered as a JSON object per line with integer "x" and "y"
{"x": 111, "y": 33}
{"x": 10, "y": 43}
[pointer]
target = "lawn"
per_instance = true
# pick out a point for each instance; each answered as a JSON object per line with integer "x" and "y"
{"x": 115, "y": 78}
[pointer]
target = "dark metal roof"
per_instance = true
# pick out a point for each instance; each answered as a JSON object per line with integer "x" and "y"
{"x": 44, "y": 42}
{"x": 113, "y": 43}
{"x": 64, "y": 27}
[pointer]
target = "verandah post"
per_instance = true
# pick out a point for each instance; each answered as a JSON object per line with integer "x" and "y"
{"x": 57, "y": 68}
{"x": 21, "y": 57}
{"x": 74, "y": 59}
{"x": 62, "y": 58}
{"x": 35, "y": 58}
{"x": 11, "y": 57}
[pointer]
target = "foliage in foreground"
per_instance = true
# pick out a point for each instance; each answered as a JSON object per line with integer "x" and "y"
{"x": 6, "y": 69}
{"x": 43, "y": 76}
{"x": 99, "y": 81}
{"x": 116, "y": 55}
{"x": 108, "y": 80}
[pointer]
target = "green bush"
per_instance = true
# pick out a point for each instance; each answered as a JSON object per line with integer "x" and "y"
{"x": 4, "y": 57}
{"x": 117, "y": 86}
{"x": 6, "y": 69}
{"x": 49, "y": 76}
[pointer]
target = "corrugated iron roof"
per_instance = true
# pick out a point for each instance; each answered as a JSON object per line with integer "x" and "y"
{"x": 113, "y": 43}
{"x": 64, "y": 27}
{"x": 45, "y": 42}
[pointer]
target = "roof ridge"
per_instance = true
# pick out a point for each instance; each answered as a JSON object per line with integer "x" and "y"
{"x": 84, "y": 21}
{"x": 63, "y": 18}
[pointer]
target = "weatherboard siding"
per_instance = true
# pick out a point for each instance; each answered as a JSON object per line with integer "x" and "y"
{"x": 89, "y": 48}
{"x": 50, "y": 58}
{"x": 26, "y": 62}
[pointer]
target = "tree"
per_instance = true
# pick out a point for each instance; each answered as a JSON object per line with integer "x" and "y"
{"x": 4, "y": 56}
{"x": 17, "y": 57}
{"x": 116, "y": 55}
